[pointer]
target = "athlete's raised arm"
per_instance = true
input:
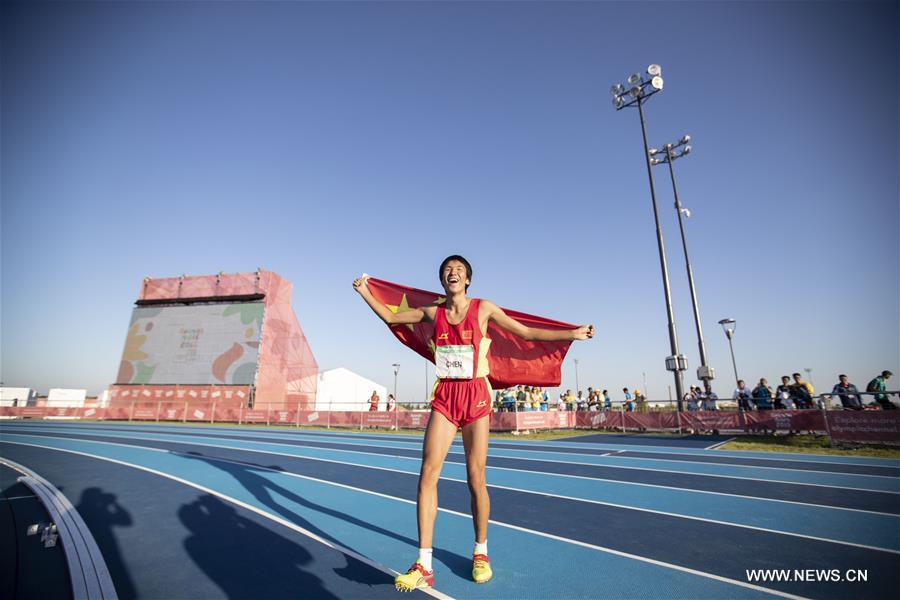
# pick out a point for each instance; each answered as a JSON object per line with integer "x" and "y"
{"x": 495, "y": 313}
{"x": 410, "y": 316}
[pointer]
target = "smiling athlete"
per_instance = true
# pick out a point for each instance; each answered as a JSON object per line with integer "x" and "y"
{"x": 461, "y": 400}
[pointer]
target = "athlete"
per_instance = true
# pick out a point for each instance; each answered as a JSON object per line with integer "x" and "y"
{"x": 461, "y": 400}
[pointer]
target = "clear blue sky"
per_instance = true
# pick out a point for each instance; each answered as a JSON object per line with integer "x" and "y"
{"x": 322, "y": 140}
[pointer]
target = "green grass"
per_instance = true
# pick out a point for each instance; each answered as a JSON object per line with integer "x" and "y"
{"x": 810, "y": 444}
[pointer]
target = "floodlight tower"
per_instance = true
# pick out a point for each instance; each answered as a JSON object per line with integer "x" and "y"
{"x": 640, "y": 90}
{"x": 396, "y": 367}
{"x": 669, "y": 154}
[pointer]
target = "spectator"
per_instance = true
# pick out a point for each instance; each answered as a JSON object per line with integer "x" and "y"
{"x": 545, "y": 399}
{"x": 741, "y": 395}
{"x": 391, "y": 405}
{"x": 803, "y": 392}
{"x": 762, "y": 395}
{"x": 607, "y": 402}
{"x": 709, "y": 400}
{"x": 843, "y": 390}
{"x": 784, "y": 395}
{"x": 627, "y": 401}
{"x": 373, "y": 401}
{"x": 571, "y": 401}
{"x": 520, "y": 398}
{"x": 580, "y": 403}
{"x": 879, "y": 387}
{"x": 640, "y": 401}
{"x": 691, "y": 398}
{"x": 561, "y": 403}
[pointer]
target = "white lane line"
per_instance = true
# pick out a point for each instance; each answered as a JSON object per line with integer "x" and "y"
{"x": 418, "y": 459}
{"x": 510, "y": 488}
{"x": 405, "y": 501}
{"x": 546, "y": 446}
{"x": 618, "y": 453}
{"x": 235, "y": 501}
{"x": 714, "y": 446}
{"x": 655, "y": 470}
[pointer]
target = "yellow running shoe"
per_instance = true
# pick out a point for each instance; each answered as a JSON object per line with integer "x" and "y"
{"x": 481, "y": 568}
{"x": 416, "y": 577}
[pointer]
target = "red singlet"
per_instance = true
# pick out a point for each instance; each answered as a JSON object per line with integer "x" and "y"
{"x": 463, "y": 401}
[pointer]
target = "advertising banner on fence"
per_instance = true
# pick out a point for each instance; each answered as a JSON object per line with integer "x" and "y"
{"x": 413, "y": 419}
{"x": 864, "y": 426}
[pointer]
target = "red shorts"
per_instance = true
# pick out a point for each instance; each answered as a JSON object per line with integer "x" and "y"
{"x": 462, "y": 401}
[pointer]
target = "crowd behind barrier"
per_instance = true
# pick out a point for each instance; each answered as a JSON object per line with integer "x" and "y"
{"x": 882, "y": 426}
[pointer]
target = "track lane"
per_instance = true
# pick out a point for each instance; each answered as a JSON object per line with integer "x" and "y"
{"x": 331, "y": 507}
{"x": 784, "y": 475}
{"x": 160, "y": 538}
{"x": 878, "y": 530}
{"x": 836, "y": 497}
{"x": 660, "y": 534}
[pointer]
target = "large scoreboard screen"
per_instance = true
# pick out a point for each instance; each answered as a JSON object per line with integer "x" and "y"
{"x": 194, "y": 344}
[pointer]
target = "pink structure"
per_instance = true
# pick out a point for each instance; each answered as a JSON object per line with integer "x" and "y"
{"x": 285, "y": 373}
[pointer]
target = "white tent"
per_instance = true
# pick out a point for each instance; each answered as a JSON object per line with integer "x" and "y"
{"x": 18, "y": 396}
{"x": 342, "y": 389}
{"x": 64, "y": 398}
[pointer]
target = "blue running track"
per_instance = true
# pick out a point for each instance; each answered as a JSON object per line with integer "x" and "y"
{"x": 185, "y": 511}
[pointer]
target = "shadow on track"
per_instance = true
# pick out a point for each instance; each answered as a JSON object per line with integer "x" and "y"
{"x": 271, "y": 566}
{"x": 264, "y": 490}
{"x": 103, "y": 511}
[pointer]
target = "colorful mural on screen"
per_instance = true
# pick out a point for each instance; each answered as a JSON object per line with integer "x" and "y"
{"x": 199, "y": 344}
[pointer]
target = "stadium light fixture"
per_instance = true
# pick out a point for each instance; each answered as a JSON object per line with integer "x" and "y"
{"x": 640, "y": 91}
{"x": 729, "y": 325}
{"x": 668, "y": 154}
{"x": 396, "y": 370}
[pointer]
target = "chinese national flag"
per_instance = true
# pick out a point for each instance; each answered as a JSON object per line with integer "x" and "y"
{"x": 513, "y": 361}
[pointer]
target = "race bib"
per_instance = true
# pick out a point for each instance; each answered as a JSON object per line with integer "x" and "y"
{"x": 455, "y": 362}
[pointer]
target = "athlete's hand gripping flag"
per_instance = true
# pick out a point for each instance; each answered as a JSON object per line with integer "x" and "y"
{"x": 513, "y": 361}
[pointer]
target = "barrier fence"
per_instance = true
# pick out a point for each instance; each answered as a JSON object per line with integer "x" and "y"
{"x": 841, "y": 425}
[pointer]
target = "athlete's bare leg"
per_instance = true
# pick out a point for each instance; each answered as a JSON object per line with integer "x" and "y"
{"x": 475, "y": 441}
{"x": 438, "y": 436}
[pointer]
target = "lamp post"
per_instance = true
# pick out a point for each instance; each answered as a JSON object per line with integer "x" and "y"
{"x": 641, "y": 89}
{"x": 577, "y": 387}
{"x": 396, "y": 370}
{"x": 729, "y": 326}
{"x": 669, "y": 154}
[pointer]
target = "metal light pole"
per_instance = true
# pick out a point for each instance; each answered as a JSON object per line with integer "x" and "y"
{"x": 396, "y": 370}
{"x": 670, "y": 154}
{"x": 577, "y": 387}
{"x": 639, "y": 92}
{"x": 729, "y": 326}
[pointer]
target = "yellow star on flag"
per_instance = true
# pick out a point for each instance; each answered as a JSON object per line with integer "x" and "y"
{"x": 402, "y": 307}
